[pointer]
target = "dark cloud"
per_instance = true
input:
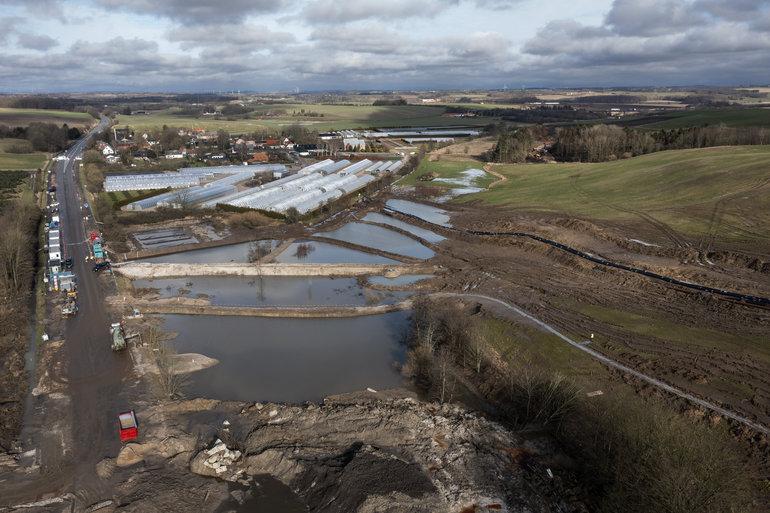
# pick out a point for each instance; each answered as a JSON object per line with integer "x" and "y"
{"x": 239, "y": 38}
{"x": 363, "y": 45}
{"x": 335, "y": 11}
{"x": 35, "y": 42}
{"x": 652, "y": 17}
{"x": 198, "y": 12}
{"x": 656, "y": 41}
{"x": 52, "y": 8}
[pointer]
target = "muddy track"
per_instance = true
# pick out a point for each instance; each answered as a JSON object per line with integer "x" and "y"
{"x": 614, "y": 364}
{"x": 735, "y": 296}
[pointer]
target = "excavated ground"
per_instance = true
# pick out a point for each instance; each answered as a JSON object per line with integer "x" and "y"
{"x": 716, "y": 348}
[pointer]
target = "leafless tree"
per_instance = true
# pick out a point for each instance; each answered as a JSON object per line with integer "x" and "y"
{"x": 169, "y": 382}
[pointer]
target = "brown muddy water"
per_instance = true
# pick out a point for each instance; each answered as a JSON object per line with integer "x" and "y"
{"x": 238, "y": 253}
{"x": 374, "y": 217}
{"x": 314, "y": 252}
{"x": 272, "y": 291}
{"x": 291, "y": 360}
{"x": 379, "y": 238}
{"x": 425, "y": 212}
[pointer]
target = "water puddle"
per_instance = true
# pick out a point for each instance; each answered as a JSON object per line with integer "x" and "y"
{"x": 291, "y": 360}
{"x": 425, "y": 212}
{"x": 272, "y": 291}
{"x": 469, "y": 178}
{"x": 314, "y": 252}
{"x": 239, "y": 253}
{"x": 399, "y": 281}
{"x": 266, "y": 495}
{"x": 428, "y": 235}
{"x": 379, "y": 238}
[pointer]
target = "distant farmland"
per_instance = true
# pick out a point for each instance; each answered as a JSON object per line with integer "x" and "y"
{"x": 23, "y": 117}
{"x": 318, "y": 117}
{"x": 699, "y": 117}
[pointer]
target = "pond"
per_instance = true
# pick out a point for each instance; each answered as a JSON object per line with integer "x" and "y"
{"x": 428, "y": 235}
{"x": 425, "y": 212}
{"x": 291, "y": 360}
{"x": 380, "y": 238}
{"x": 314, "y": 252}
{"x": 272, "y": 291}
{"x": 238, "y": 253}
{"x": 398, "y": 281}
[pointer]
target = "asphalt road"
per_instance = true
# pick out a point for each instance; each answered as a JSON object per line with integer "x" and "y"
{"x": 94, "y": 372}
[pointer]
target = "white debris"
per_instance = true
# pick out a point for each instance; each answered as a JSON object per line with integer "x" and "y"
{"x": 273, "y": 413}
{"x": 226, "y": 423}
{"x": 371, "y": 390}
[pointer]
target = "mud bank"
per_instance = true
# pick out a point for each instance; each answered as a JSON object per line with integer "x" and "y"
{"x": 148, "y": 270}
{"x": 191, "y": 308}
{"x": 363, "y": 452}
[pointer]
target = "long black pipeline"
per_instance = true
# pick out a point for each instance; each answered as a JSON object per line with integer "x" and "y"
{"x": 745, "y": 298}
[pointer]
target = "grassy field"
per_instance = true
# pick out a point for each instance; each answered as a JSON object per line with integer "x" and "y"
{"x": 5, "y": 144}
{"x": 676, "y": 334}
{"x": 722, "y": 192}
{"x": 22, "y": 160}
{"x": 23, "y": 117}
{"x": 729, "y": 117}
{"x": 335, "y": 117}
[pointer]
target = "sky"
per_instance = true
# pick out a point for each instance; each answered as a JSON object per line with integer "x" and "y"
{"x": 316, "y": 45}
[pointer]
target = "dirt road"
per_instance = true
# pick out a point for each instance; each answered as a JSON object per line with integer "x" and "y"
{"x": 507, "y": 309}
{"x": 94, "y": 373}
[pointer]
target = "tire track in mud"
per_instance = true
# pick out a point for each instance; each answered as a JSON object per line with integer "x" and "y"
{"x": 735, "y": 296}
{"x": 717, "y": 214}
{"x": 669, "y": 232}
{"x": 614, "y": 364}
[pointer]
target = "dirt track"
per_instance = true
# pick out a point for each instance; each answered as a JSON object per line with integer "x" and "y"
{"x": 706, "y": 346}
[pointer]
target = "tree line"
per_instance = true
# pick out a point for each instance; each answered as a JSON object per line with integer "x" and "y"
{"x": 600, "y": 143}
{"x": 43, "y": 136}
{"x": 18, "y": 249}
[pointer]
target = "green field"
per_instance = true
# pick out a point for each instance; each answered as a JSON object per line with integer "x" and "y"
{"x": 5, "y": 144}
{"x": 335, "y": 117}
{"x": 22, "y": 160}
{"x": 23, "y": 117}
{"x": 722, "y": 192}
{"x": 729, "y": 117}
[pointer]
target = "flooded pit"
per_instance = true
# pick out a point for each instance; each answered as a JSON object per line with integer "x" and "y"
{"x": 425, "y": 212}
{"x": 398, "y": 281}
{"x": 380, "y": 238}
{"x": 422, "y": 233}
{"x": 238, "y": 253}
{"x": 272, "y": 291}
{"x": 314, "y": 252}
{"x": 291, "y": 360}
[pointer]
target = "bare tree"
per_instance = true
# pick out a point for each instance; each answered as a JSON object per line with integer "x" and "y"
{"x": 169, "y": 381}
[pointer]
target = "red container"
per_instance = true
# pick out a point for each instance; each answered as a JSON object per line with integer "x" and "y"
{"x": 126, "y": 435}
{"x": 129, "y": 429}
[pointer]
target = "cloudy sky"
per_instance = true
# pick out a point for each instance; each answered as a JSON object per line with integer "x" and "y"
{"x": 280, "y": 45}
